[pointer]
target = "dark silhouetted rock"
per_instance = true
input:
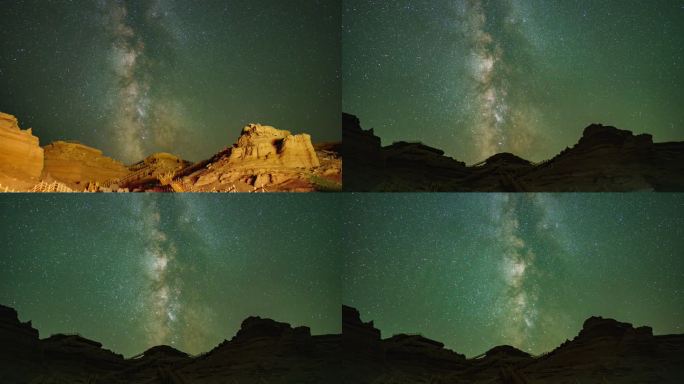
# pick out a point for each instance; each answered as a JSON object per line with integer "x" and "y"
{"x": 407, "y": 350}
{"x": 12, "y": 329}
{"x": 506, "y": 350}
{"x": 353, "y": 327}
{"x": 605, "y": 350}
{"x": 368, "y": 166}
{"x": 605, "y": 159}
{"x": 256, "y": 327}
{"x": 264, "y": 350}
{"x": 361, "y": 151}
{"x": 506, "y": 158}
{"x": 165, "y": 351}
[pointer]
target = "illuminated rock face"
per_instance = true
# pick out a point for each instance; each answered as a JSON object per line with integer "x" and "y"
{"x": 268, "y": 146}
{"x": 21, "y": 156}
{"x": 77, "y": 164}
{"x": 267, "y": 158}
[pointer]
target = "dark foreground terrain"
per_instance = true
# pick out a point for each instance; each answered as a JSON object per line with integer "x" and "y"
{"x": 267, "y": 351}
{"x": 262, "y": 351}
{"x": 605, "y": 159}
{"x": 604, "y": 351}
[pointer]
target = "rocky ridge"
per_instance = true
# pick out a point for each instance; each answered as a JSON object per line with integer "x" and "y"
{"x": 263, "y": 159}
{"x": 604, "y": 159}
{"x": 263, "y": 350}
{"x": 75, "y": 164}
{"x": 605, "y": 350}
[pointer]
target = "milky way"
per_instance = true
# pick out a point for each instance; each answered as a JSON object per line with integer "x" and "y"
{"x": 183, "y": 271}
{"x": 477, "y": 77}
{"x": 479, "y": 270}
{"x": 161, "y": 304}
{"x": 134, "y": 77}
{"x": 518, "y": 302}
{"x": 503, "y": 120}
{"x": 168, "y": 300}
{"x": 532, "y": 247}
{"x": 144, "y": 117}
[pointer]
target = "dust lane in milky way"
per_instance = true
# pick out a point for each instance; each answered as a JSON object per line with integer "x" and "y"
{"x": 479, "y": 270}
{"x": 159, "y": 269}
{"x": 478, "y": 77}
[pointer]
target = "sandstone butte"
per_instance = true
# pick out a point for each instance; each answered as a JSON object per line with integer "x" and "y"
{"x": 269, "y": 146}
{"x": 263, "y": 156}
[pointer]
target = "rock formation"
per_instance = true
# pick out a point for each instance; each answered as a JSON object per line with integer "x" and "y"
{"x": 76, "y": 164}
{"x": 262, "y": 351}
{"x": 362, "y": 153}
{"x": 267, "y": 146}
{"x": 367, "y": 357}
{"x": 264, "y": 158}
{"x": 149, "y": 172}
{"x": 14, "y": 332}
{"x": 605, "y": 350}
{"x": 605, "y": 159}
{"x": 21, "y": 157}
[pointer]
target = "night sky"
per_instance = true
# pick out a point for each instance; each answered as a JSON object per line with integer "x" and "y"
{"x": 135, "y": 77}
{"x": 478, "y": 77}
{"x": 479, "y": 270}
{"x": 185, "y": 271}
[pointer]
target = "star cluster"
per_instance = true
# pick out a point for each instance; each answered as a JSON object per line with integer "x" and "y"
{"x": 478, "y": 77}
{"x": 481, "y": 270}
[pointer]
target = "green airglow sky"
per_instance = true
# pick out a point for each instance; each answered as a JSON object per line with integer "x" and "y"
{"x": 479, "y": 270}
{"x": 185, "y": 271}
{"x": 136, "y": 77}
{"x": 478, "y": 77}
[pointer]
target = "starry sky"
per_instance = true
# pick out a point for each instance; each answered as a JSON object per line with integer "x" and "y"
{"x": 185, "y": 271}
{"x": 478, "y": 77}
{"x": 137, "y": 77}
{"x": 479, "y": 270}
